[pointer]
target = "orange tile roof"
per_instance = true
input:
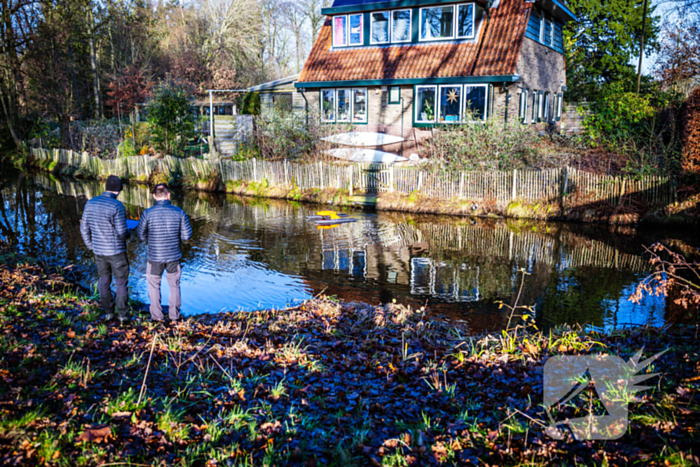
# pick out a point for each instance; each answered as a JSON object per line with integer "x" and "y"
{"x": 498, "y": 56}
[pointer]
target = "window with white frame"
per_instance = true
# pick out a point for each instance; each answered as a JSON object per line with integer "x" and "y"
{"x": 547, "y": 104}
{"x": 523, "y": 106}
{"x": 540, "y": 106}
{"x": 347, "y": 30}
{"x": 559, "y": 105}
{"x": 551, "y": 33}
{"x": 356, "y": 30}
{"x": 359, "y": 105}
{"x": 535, "y": 100}
{"x": 476, "y": 101}
{"x": 425, "y": 104}
{"x": 450, "y": 104}
{"x": 436, "y": 23}
{"x": 401, "y": 26}
{"x": 466, "y": 21}
{"x": 343, "y": 105}
{"x": 328, "y": 105}
{"x": 379, "y": 27}
{"x": 340, "y": 31}
{"x": 542, "y": 28}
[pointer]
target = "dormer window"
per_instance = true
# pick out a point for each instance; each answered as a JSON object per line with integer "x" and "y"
{"x": 465, "y": 21}
{"x": 344, "y": 35}
{"x": 340, "y": 32}
{"x": 400, "y": 25}
{"x": 437, "y": 23}
{"x": 379, "y": 25}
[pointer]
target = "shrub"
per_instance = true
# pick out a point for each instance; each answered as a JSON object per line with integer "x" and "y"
{"x": 285, "y": 135}
{"x": 641, "y": 128}
{"x": 251, "y": 103}
{"x": 171, "y": 117}
{"x": 690, "y": 161}
{"x": 126, "y": 148}
{"x": 141, "y": 134}
{"x": 96, "y": 137}
{"x": 482, "y": 146}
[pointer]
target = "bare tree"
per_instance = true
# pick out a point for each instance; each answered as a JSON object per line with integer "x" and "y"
{"x": 312, "y": 10}
{"x": 678, "y": 63}
{"x": 275, "y": 41}
{"x": 296, "y": 21}
{"x": 231, "y": 29}
{"x": 19, "y": 21}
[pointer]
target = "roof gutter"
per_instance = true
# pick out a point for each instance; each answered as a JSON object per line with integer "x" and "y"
{"x": 407, "y": 81}
{"x": 382, "y": 6}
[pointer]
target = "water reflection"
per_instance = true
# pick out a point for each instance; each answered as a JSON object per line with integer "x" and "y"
{"x": 249, "y": 253}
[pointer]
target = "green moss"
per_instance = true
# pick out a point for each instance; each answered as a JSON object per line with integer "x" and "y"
{"x": 413, "y": 197}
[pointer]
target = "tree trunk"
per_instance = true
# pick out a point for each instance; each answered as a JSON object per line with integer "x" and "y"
{"x": 93, "y": 66}
{"x": 65, "y": 131}
{"x": 7, "y": 82}
{"x": 9, "y": 119}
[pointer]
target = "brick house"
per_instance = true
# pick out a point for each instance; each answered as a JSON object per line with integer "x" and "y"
{"x": 403, "y": 66}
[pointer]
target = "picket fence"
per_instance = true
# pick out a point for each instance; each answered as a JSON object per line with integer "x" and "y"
{"x": 578, "y": 187}
{"x": 486, "y": 240}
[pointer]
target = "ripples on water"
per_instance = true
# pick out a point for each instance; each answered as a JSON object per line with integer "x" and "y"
{"x": 251, "y": 254}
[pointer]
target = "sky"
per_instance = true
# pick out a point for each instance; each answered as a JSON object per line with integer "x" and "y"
{"x": 666, "y": 11}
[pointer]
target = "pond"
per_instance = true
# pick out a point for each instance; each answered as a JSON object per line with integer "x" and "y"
{"x": 250, "y": 253}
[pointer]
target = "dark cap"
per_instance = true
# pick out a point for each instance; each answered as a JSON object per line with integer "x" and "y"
{"x": 113, "y": 183}
{"x": 160, "y": 187}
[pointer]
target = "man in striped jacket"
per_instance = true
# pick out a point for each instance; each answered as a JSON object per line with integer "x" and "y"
{"x": 164, "y": 226}
{"x": 104, "y": 231}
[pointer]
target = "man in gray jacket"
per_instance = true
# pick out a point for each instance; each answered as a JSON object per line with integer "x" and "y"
{"x": 104, "y": 231}
{"x": 163, "y": 226}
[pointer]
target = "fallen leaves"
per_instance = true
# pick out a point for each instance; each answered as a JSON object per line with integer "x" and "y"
{"x": 308, "y": 386}
{"x": 95, "y": 434}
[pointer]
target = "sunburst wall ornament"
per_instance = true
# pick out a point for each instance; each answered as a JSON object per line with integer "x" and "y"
{"x": 452, "y": 96}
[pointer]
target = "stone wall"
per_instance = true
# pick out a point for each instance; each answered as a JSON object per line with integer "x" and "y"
{"x": 541, "y": 69}
{"x": 572, "y": 117}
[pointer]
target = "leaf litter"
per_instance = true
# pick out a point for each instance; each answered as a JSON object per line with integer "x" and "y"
{"x": 323, "y": 383}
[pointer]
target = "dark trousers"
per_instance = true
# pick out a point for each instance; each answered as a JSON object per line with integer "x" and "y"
{"x": 154, "y": 272}
{"x": 117, "y": 266}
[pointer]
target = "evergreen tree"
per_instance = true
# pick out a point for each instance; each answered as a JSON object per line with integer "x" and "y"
{"x": 602, "y": 45}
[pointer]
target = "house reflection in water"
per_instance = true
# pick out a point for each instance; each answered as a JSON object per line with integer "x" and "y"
{"x": 267, "y": 254}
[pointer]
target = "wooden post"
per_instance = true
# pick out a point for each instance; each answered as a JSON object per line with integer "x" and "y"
{"x": 211, "y": 117}
{"x": 461, "y": 185}
{"x": 391, "y": 174}
{"x": 675, "y": 193}
{"x": 622, "y": 190}
{"x": 420, "y": 180}
{"x": 515, "y": 185}
{"x": 255, "y": 170}
{"x": 286, "y": 177}
{"x": 350, "y": 187}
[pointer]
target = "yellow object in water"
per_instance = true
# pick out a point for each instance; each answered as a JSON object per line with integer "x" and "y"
{"x": 330, "y": 214}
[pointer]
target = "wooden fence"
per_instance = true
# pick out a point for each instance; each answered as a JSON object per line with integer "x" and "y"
{"x": 578, "y": 187}
{"x": 562, "y": 250}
